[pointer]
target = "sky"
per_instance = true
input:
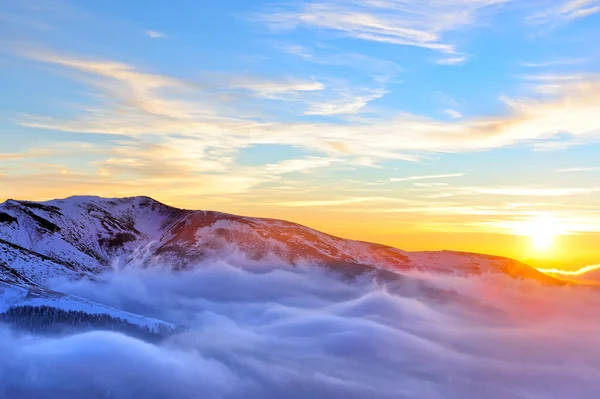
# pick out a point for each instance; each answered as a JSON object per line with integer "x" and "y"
{"x": 424, "y": 124}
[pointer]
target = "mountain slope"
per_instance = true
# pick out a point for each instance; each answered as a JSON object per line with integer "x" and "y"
{"x": 84, "y": 236}
{"x": 21, "y": 265}
{"x": 14, "y": 295}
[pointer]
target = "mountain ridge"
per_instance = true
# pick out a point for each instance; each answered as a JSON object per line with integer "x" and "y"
{"x": 84, "y": 237}
{"x": 89, "y": 233}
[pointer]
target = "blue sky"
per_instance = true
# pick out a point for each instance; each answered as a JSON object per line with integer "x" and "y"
{"x": 434, "y": 115}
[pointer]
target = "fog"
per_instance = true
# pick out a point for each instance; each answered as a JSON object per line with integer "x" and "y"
{"x": 274, "y": 331}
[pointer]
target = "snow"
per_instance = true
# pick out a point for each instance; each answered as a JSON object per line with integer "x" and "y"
{"x": 12, "y": 295}
{"x": 95, "y": 232}
{"x": 84, "y": 236}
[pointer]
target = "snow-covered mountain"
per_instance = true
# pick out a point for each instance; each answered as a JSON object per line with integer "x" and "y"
{"x": 84, "y": 236}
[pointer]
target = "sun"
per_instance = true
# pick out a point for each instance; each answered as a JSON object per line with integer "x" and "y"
{"x": 542, "y": 240}
{"x": 542, "y": 232}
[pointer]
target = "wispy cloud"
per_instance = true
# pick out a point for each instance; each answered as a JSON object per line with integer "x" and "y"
{"x": 426, "y": 177}
{"x": 347, "y": 103}
{"x": 452, "y": 60}
{"x": 153, "y": 34}
{"x": 567, "y": 11}
{"x": 428, "y": 185}
{"x": 268, "y": 87}
{"x": 555, "y": 78}
{"x": 31, "y": 153}
{"x": 345, "y": 97}
{"x": 534, "y": 191}
{"x": 137, "y": 103}
{"x": 380, "y": 70}
{"x": 143, "y": 102}
{"x": 452, "y": 113}
{"x": 129, "y": 88}
{"x": 579, "y": 272}
{"x": 580, "y": 169}
{"x": 340, "y": 201}
{"x": 300, "y": 165}
{"x": 401, "y": 22}
{"x": 555, "y": 62}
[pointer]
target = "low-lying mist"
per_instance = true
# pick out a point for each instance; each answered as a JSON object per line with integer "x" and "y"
{"x": 274, "y": 331}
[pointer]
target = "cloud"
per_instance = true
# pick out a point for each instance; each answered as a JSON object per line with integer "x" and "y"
{"x": 426, "y": 335}
{"x": 534, "y": 191}
{"x": 29, "y": 154}
{"x": 567, "y": 11}
{"x": 266, "y": 87}
{"x": 153, "y": 34}
{"x": 130, "y": 89}
{"x": 179, "y": 168}
{"x": 98, "y": 362}
{"x": 345, "y": 98}
{"x": 137, "y": 94}
{"x": 426, "y": 177}
{"x": 435, "y": 184}
{"x": 444, "y": 212}
{"x": 340, "y": 201}
{"x": 555, "y": 62}
{"x": 381, "y": 70}
{"x": 580, "y": 272}
{"x": 452, "y": 60}
{"x": 183, "y": 138}
{"x": 300, "y": 165}
{"x": 452, "y": 113}
{"x": 554, "y": 78}
{"x": 411, "y": 23}
{"x": 144, "y": 103}
{"x": 581, "y": 169}
{"x": 349, "y": 103}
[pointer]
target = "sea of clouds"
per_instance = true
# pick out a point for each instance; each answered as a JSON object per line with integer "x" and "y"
{"x": 276, "y": 331}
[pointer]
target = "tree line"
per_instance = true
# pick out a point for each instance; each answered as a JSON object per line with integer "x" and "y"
{"x": 48, "y": 320}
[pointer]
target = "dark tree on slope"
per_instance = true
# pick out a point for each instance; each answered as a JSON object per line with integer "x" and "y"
{"x": 53, "y": 321}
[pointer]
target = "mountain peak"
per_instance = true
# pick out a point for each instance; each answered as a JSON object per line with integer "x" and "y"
{"x": 88, "y": 234}
{"x": 95, "y": 198}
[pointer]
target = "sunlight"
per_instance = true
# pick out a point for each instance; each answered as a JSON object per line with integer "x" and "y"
{"x": 542, "y": 231}
{"x": 543, "y": 240}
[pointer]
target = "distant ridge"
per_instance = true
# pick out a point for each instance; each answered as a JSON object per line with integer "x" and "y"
{"x": 84, "y": 235}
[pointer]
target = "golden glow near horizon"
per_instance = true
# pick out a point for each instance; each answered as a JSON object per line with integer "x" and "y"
{"x": 542, "y": 232}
